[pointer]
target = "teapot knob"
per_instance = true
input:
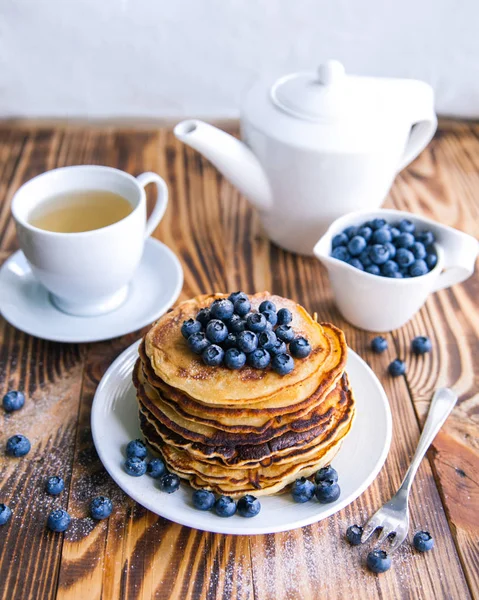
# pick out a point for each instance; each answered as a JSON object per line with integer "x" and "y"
{"x": 332, "y": 71}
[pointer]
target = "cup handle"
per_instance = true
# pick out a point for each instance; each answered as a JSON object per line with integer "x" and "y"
{"x": 460, "y": 253}
{"x": 161, "y": 199}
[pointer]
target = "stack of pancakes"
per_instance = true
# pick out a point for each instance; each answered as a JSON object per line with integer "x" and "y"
{"x": 245, "y": 431}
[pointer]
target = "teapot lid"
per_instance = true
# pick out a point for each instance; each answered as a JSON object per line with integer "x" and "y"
{"x": 313, "y": 96}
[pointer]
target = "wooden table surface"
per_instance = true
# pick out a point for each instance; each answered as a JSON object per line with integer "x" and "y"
{"x": 218, "y": 238}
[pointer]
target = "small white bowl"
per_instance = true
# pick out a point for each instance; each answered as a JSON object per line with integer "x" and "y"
{"x": 378, "y": 303}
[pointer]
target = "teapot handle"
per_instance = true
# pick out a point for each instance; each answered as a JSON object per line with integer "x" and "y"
{"x": 423, "y": 119}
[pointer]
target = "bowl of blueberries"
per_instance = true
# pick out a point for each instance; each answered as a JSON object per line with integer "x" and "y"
{"x": 383, "y": 264}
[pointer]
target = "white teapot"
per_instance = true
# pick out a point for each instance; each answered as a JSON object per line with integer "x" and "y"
{"x": 317, "y": 146}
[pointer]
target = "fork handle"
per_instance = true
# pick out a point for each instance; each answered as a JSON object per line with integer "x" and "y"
{"x": 442, "y": 404}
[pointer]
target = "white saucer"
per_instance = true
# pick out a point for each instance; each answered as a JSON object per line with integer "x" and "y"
{"x": 114, "y": 421}
{"x": 25, "y": 303}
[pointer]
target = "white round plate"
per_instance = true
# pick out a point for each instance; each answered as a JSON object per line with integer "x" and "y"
{"x": 26, "y": 305}
{"x": 114, "y": 422}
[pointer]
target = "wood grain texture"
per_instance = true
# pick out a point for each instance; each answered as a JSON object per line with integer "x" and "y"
{"x": 218, "y": 237}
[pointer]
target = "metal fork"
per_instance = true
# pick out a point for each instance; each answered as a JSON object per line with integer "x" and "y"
{"x": 393, "y": 517}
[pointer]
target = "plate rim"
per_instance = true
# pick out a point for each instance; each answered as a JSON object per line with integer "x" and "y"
{"x": 75, "y": 339}
{"x": 258, "y": 530}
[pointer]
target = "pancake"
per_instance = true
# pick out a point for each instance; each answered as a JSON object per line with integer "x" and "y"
{"x": 177, "y": 366}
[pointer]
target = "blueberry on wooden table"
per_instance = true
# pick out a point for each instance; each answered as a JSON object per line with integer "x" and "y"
{"x": 302, "y": 490}
{"x": 5, "y": 514}
{"x": 423, "y": 541}
{"x": 248, "y": 506}
{"x": 134, "y": 466}
{"x": 326, "y": 473}
{"x": 327, "y": 490}
{"x": 378, "y": 561}
{"x": 100, "y": 508}
{"x": 225, "y": 506}
{"x": 203, "y": 499}
{"x": 353, "y": 534}
{"x": 421, "y": 345}
{"x": 13, "y": 400}
{"x": 379, "y": 344}
{"x": 397, "y": 368}
{"x": 136, "y": 448}
{"x": 18, "y": 445}
{"x": 58, "y": 520}
{"x": 54, "y": 485}
{"x": 169, "y": 483}
{"x": 155, "y": 468}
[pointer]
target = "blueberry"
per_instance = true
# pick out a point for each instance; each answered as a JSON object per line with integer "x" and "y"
{"x": 13, "y": 401}
{"x": 248, "y": 506}
{"x": 389, "y": 268}
{"x": 302, "y": 490}
{"x": 216, "y": 331}
{"x": 284, "y": 316}
{"x": 423, "y": 541}
{"x": 242, "y": 306}
{"x": 404, "y": 257}
{"x": 247, "y": 341}
{"x": 404, "y": 271}
{"x": 267, "y": 305}
{"x": 379, "y": 344}
{"x": 426, "y": 237}
{"x": 267, "y": 339}
{"x": 5, "y": 514}
{"x": 198, "y": 342}
{"x": 431, "y": 261}
{"x": 392, "y": 249}
{"x": 398, "y": 275}
{"x": 406, "y": 226}
{"x": 285, "y": 333}
{"x": 351, "y": 231}
{"x": 341, "y": 253}
{"x": 189, "y": 327}
{"x": 341, "y": 239}
{"x": 382, "y": 236}
{"x": 397, "y": 368}
{"x": 356, "y": 263}
{"x": 256, "y": 322}
{"x": 259, "y": 359}
{"x": 203, "y": 499}
{"x": 365, "y": 258}
{"x": 230, "y": 341}
{"x": 418, "y": 250}
{"x": 236, "y": 296}
{"x": 421, "y": 345}
{"x": 213, "y": 355}
{"x": 377, "y": 223}
{"x": 373, "y": 270}
{"x": 326, "y": 473}
{"x": 54, "y": 485}
{"x": 135, "y": 466}
{"x": 282, "y": 364}
{"x": 394, "y": 232}
{"x": 378, "y": 561}
{"x": 418, "y": 268}
{"x": 100, "y": 508}
{"x": 404, "y": 240}
{"x": 327, "y": 491}
{"x": 58, "y": 520}
{"x": 353, "y": 534}
{"x": 222, "y": 309}
{"x": 225, "y": 506}
{"x": 236, "y": 324}
{"x": 203, "y": 316}
{"x": 278, "y": 348}
{"x": 365, "y": 232}
{"x": 300, "y": 347}
{"x": 169, "y": 483}
{"x": 136, "y": 448}
{"x": 155, "y": 468}
{"x": 271, "y": 317}
{"x": 234, "y": 359}
{"x": 17, "y": 445}
{"x": 379, "y": 254}
{"x": 356, "y": 245}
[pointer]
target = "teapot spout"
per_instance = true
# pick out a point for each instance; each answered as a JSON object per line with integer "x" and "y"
{"x": 231, "y": 157}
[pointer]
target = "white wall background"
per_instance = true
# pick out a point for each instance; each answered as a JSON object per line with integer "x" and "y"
{"x": 173, "y": 58}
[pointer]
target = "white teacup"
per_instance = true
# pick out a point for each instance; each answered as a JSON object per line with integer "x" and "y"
{"x": 87, "y": 273}
{"x": 378, "y": 303}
